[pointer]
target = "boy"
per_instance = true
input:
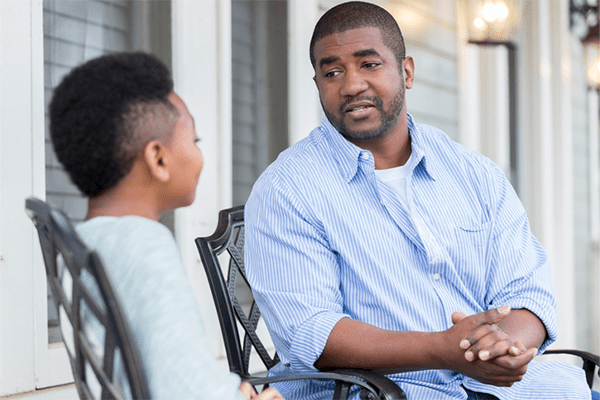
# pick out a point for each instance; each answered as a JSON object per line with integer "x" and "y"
{"x": 128, "y": 142}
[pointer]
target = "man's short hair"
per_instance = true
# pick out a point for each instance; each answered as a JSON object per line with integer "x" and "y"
{"x": 358, "y": 14}
{"x": 104, "y": 112}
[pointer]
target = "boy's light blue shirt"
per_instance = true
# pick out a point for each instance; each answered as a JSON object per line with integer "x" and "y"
{"x": 142, "y": 258}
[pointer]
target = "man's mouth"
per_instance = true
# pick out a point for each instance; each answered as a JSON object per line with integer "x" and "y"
{"x": 358, "y": 107}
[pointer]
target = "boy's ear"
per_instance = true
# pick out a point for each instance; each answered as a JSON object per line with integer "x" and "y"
{"x": 156, "y": 157}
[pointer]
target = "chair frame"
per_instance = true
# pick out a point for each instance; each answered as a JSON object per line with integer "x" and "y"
{"x": 57, "y": 236}
{"x": 229, "y": 236}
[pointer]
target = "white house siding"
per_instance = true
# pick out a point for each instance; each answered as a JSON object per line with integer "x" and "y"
{"x": 429, "y": 30}
{"x": 74, "y": 32}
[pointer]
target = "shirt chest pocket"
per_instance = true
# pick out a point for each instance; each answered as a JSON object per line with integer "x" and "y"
{"x": 469, "y": 250}
{"x": 477, "y": 236}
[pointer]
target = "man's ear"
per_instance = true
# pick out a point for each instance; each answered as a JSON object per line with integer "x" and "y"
{"x": 156, "y": 158}
{"x": 408, "y": 65}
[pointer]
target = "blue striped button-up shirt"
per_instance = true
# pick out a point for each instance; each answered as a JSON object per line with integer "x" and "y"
{"x": 326, "y": 239}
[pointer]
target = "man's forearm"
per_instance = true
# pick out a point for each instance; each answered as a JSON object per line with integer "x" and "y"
{"x": 355, "y": 344}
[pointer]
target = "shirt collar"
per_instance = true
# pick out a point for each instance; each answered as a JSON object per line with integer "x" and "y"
{"x": 348, "y": 155}
{"x": 419, "y": 148}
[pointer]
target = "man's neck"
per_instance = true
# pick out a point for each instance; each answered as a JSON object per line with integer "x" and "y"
{"x": 392, "y": 149}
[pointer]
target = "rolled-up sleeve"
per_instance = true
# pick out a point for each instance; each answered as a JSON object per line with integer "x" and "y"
{"x": 519, "y": 274}
{"x": 293, "y": 273}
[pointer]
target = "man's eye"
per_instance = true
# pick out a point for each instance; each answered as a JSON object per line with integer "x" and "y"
{"x": 370, "y": 65}
{"x": 331, "y": 74}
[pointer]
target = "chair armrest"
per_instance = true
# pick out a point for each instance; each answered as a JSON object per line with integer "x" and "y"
{"x": 377, "y": 386}
{"x": 590, "y": 362}
{"x": 388, "y": 388}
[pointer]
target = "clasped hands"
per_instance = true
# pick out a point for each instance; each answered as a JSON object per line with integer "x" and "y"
{"x": 481, "y": 350}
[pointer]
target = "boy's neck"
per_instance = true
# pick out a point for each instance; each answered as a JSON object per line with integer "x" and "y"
{"x": 110, "y": 209}
{"x": 125, "y": 199}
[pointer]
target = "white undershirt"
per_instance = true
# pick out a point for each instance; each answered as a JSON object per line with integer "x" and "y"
{"x": 395, "y": 178}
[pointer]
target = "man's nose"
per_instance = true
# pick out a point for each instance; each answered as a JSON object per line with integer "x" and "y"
{"x": 354, "y": 83}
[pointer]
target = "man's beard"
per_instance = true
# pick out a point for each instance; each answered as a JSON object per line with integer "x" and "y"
{"x": 388, "y": 118}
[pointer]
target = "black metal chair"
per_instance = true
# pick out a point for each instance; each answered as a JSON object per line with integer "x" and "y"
{"x": 103, "y": 354}
{"x": 235, "y": 305}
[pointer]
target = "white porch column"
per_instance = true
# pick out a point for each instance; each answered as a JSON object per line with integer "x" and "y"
{"x": 494, "y": 115}
{"x": 304, "y": 106}
{"x": 594, "y": 168}
{"x": 202, "y": 72}
{"x": 563, "y": 262}
{"x": 470, "y": 100}
{"x": 21, "y": 175}
{"x": 546, "y": 147}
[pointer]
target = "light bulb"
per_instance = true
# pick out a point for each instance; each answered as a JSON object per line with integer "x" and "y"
{"x": 478, "y": 22}
{"x": 501, "y": 11}
{"x": 494, "y": 11}
{"x": 489, "y": 12}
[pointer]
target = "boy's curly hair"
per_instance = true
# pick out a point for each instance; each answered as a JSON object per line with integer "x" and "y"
{"x": 104, "y": 112}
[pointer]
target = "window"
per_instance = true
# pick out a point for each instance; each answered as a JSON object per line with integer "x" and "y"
{"x": 259, "y": 90}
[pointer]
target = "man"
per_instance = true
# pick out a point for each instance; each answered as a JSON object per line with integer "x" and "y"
{"x": 370, "y": 241}
{"x": 129, "y": 143}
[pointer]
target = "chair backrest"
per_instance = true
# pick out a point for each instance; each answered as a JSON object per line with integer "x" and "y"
{"x": 103, "y": 354}
{"x": 232, "y": 296}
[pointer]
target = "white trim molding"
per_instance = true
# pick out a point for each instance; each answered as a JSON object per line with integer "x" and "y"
{"x": 27, "y": 361}
{"x": 201, "y": 56}
{"x": 304, "y": 106}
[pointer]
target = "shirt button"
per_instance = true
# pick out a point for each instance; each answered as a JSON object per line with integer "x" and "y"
{"x": 364, "y": 156}
{"x": 436, "y": 276}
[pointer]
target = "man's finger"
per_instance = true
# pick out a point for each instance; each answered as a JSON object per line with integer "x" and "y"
{"x": 457, "y": 317}
{"x": 517, "y": 349}
{"x": 495, "y": 315}
{"x": 490, "y": 317}
{"x": 514, "y": 351}
{"x": 515, "y": 363}
{"x": 520, "y": 346}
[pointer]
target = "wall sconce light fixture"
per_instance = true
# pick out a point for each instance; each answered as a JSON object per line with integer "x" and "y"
{"x": 492, "y": 21}
{"x": 584, "y": 18}
{"x": 591, "y": 49}
{"x": 584, "y": 22}
{"x": 583, "y": 15}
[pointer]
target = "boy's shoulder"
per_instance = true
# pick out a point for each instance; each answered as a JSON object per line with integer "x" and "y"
{"x": 128, "y": 237}
{"x": 124, "y": 227}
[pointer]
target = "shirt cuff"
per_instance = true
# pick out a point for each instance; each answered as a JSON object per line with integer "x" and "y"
{"x": 310, "y": 340}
